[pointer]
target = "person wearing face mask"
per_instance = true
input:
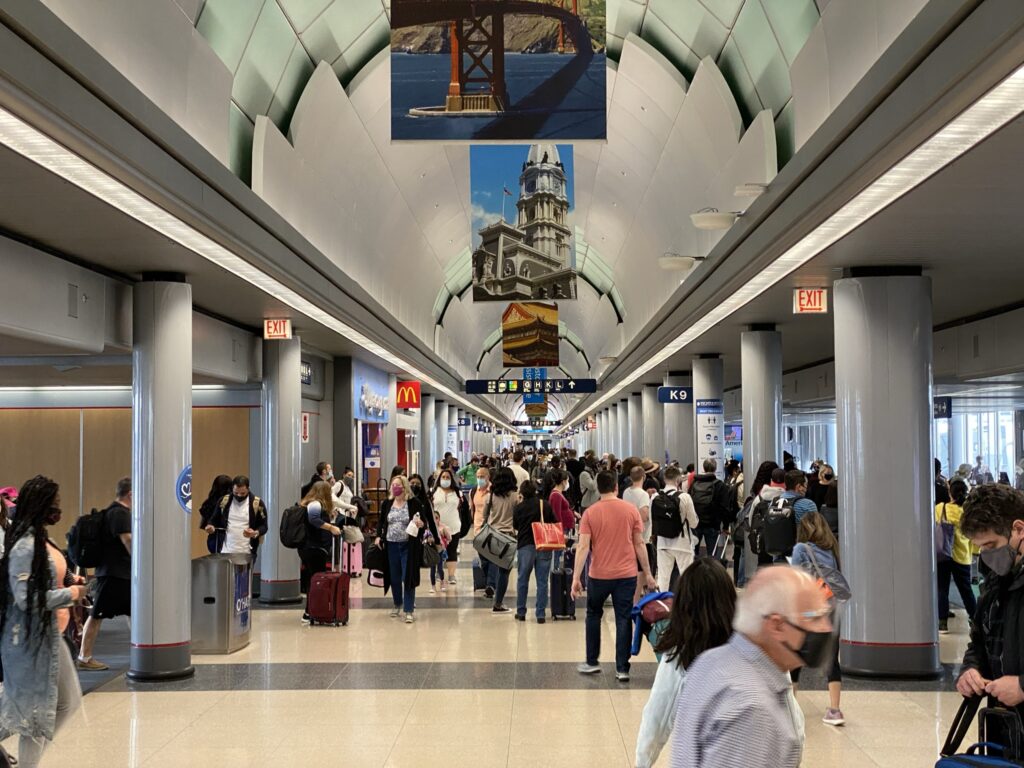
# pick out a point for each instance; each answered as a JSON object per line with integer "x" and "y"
{"x": 738, "y": 706}
{"x": 239, "y": 521}
{"x": 399, "y": 515}
{"x": 41, "y": 688}
{"x": 958, "y": 566}
{"x": 114, "y": 576}
{"x": 993, "y": 519}
{"x": 453, "y": 508}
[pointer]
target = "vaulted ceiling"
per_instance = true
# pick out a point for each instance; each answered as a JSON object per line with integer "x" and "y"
{"x": 293, "y": 95}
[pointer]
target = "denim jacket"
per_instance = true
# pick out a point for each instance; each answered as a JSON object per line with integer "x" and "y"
{"x": 28, "y": 705}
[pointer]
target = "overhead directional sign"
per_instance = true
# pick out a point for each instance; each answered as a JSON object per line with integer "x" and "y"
{"x": 942, "y": 408}
{"x": 527, "y": 386}
{"x": 464, "y": 421}
{"x": 675, "y": 395}
{"x": 536, "y": 397}
{"x": 538, "y": 423}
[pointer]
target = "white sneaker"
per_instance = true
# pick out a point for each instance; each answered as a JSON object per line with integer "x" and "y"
{"x": 433, "y": 591}
{"x": 443, "y": 587}
{"x": 394, "y": 612}
{"x": 409, "y": 618}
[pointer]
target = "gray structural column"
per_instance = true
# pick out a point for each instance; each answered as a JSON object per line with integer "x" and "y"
{"x": 709, "y": 432}
{"x": 883, "y": 330}
{"x": 636, "y": 425}
{"x": 625, "y": 447}
{"x": 678, "y": 417}
{"x": 161, "y": 636}
{"x": 390, "y": 449}
{"x": 602, "y": 433}
{"x": 654, "y": 424}
{"x": 440, "y": 428}
{"x": 452, "y": 436}
{"x": 427, "y": 442}
{"x": 282, "y": 416}
{"x": 761, "y": 372}
{"x": 613, "y": 431}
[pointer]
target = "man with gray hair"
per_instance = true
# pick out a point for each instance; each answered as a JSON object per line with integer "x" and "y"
{"x": 738, "y": 706}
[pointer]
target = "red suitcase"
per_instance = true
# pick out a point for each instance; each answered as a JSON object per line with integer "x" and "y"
{"x": 328, "y": 597}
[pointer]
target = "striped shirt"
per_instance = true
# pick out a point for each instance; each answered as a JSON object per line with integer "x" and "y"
{"x": 737, "y": 709}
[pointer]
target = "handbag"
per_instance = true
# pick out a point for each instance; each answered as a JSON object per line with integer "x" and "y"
{"x": 493, "y": 545}
{"x": 352, "y": 535}
{"x": 548, "y": 537}
{"x": 375, "y": 558}
{"x": 832, "y": 577}
{"x": 943, "y": 538}
{"x": 431, "y": 557}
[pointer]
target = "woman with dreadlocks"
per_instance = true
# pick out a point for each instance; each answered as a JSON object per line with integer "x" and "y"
{"x": 41, "y": 687}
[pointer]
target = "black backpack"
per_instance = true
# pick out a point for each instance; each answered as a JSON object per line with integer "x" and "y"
{"x": 87, "y": 539}
{"x": 666, "y": 516}
{"x": 780, "y": 527}
{"x": 757, "y": 522}
{"x": 294, "y": 522}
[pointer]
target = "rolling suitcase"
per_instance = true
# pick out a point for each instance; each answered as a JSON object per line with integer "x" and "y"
{"x": 562, "y": 604}
{"x": 328, "y": 595}
{"x": 479, "y": 577}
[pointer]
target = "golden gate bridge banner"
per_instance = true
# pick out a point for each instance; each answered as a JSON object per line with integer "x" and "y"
{"x": 498, "y": 70}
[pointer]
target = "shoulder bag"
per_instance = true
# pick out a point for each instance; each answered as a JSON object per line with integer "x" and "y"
{"x": 831, "y": 577}
{"x": 943, "y": 538}
{"x": 493, "y": 545}
{"x": 548, "y": 537}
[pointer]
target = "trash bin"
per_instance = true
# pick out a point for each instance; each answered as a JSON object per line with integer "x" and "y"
{"x": 221, "y": 595}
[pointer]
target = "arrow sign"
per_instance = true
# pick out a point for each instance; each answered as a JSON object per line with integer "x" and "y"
{"x": 677, "y": 395}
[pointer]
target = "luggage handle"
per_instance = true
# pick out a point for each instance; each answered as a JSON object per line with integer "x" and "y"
{"x": 961, "y": 723}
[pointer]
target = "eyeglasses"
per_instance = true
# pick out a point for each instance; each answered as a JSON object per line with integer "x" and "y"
{"x": 821, "y": 613}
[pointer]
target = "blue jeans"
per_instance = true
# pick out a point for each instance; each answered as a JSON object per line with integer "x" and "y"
{"x": 540, "y": 563}
{"x": 398, "y": 565}
{"x": 621, "y": 591}
{"x": 500, "y": 576}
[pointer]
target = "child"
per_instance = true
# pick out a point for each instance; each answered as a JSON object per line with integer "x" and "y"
{"x": 438, "y": 573}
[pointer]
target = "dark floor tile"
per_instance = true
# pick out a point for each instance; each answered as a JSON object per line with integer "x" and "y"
{"x": 403, "y": 675}
{"x": 475, "y": 675}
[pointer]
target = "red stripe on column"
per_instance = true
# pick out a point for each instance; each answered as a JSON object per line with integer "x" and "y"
{"x": 888, "y": 645}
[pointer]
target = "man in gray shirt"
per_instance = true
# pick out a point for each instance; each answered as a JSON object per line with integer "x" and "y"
{"x": 738, "y": 706}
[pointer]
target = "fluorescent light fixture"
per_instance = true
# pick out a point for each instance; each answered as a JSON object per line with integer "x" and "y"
{"x": 750, "y": 190}
{"x": 36, "y": 146}
{"x": 673, "y": 262}
{"x": 972, "y": 126}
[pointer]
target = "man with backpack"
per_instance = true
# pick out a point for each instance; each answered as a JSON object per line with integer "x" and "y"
{"x": 239, "y": 521}
{"x": 113, "y": 575}
{"x": 673, "y": 520}
{"x": 708, "y": 494}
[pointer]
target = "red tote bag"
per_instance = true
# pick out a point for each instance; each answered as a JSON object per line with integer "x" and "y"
{"x": 549, "y": 537}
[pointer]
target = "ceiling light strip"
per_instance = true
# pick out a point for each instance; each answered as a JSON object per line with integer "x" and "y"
{"x": 979, "y": 121}
{"x": 47, "y": 153}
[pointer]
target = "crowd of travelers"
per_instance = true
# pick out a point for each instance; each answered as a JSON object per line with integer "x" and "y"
{"x": 735, "y": 617}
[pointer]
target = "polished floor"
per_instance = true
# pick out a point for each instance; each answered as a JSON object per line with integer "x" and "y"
{"x": 460, "y": 687}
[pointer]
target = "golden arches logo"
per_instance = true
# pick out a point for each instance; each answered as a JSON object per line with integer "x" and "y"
{"x": 408, "y": 394}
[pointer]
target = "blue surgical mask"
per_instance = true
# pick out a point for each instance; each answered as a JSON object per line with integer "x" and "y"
{"x": 481, "y": 482}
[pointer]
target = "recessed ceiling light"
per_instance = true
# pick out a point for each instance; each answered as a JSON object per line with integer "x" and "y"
{"x": 607, "y": 359}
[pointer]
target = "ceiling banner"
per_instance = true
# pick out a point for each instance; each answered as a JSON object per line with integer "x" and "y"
{"x": 484, "y": 71}
{"x": 523, "y": 233}
{"x": 529, "y": 335}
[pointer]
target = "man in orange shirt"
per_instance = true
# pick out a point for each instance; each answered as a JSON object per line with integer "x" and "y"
{"x": 612, "y": 534}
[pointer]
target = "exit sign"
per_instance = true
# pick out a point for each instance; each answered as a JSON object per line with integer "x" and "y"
{"x": 277, "y": 329}
{"x": 810, "y": 301}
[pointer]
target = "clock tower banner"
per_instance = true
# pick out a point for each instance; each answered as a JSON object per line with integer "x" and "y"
{"x": 523, "y": 235}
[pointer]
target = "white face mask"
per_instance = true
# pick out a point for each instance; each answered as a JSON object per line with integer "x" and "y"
{"x": 446, "y": 483}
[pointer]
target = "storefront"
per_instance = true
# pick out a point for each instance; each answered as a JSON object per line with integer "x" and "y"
{"x": 371, "y": 406}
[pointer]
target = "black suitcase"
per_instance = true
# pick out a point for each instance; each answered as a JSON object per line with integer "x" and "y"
{"x": 562, "y": 604}
{"x": 479, "y": 579}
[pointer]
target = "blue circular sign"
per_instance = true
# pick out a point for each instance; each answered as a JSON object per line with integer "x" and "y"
{"x": 183, "y": 489}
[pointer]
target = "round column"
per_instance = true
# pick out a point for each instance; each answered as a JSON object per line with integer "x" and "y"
{"x": 440, "y": 428}
{"x": 678, "y": 418}
{"x": 624, "y": 443}
{"x": 761, "y": 372}
{"x": 613, "y": 446}
{"x": 161, "y": 631}
{"x": 427, "y": 444}
{"x": 452, "y": 437}
{"x": 883, "y": 330}
{"x": 708, "y": 412}
{"x": 653, "y": 424}
{"x": 636, "y": 425}
{"x": 601, "y": 439}
{"x": 282, "y": 415}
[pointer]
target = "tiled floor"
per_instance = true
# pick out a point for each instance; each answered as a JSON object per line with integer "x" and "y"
{"x": 460, "y": 687}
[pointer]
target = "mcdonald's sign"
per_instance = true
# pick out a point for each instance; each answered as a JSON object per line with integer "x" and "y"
{"x": 408, "y": 394}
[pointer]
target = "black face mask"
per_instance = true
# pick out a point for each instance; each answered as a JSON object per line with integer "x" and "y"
{"x": 827, "y": 476}
{"x": 243, "y": 497}
{"x": 816, "y": 648}
{"x": 53, "y": 516}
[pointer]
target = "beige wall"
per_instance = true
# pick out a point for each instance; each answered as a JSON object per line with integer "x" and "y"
{"x": 52, "y": 441}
